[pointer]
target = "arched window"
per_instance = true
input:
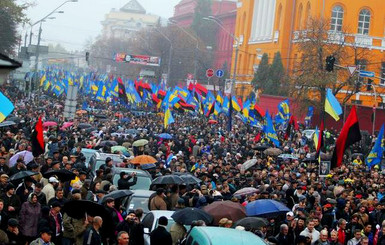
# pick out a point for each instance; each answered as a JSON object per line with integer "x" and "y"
{"x": 364, "y": 22}
{"x": 337, "y": 18}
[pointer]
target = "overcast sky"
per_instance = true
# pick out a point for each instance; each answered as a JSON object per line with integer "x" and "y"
{"x": 81, "y": 20}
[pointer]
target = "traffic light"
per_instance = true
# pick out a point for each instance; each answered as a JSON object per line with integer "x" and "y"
{"x": 330, "y": 63}
{"x": 87, "y": 56}
{"x": 369, "y": 86}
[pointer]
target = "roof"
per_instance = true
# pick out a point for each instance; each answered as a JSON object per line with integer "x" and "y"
{"x": 125, "y": 16}
{"x": 133, "y": 6}
{"x": 219, "y": 235}
{"x": 8, "y": 63}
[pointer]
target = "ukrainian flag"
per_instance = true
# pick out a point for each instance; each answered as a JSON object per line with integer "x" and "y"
{"x": 332, "y": 106}
{"x": 316, "y": 138}
{"x": 6, "y": 107}
{"x": 246, "y": 108}
{"x": 43, "y": 78}
{"x": 168, "y": 118}
{"x": 235, "y": 104}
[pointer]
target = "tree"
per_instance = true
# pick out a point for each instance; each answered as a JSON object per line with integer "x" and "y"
{"x": 309, "y": 79}
{"x": 11, "y": 14}
{"x": 205, "y": 29}
{"x": 276, "y": 84}
{"x": 261, "y": 76}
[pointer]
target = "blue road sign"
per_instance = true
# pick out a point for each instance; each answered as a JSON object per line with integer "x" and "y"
{"x": 219, "y": 73}
{"x": 366, "y": 74}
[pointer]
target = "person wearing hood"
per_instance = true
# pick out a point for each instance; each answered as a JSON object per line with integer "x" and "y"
{"x": 25, "y": 189}
{"x": 29, "y": 217}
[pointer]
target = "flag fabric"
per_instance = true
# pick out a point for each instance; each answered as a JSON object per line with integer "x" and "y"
{"x": 168, "y": 118}
{"x": 169, "y": 158}
{"x": 37, "y": 139}
{"x": 122, "y": 91}
{"x": 6, "y": 107}
{"x": 230, "y": 126}
{"x": 319, "y": 139}
{"x": 234, "y": 103}
{"x": 283, "y": 111}
{"x": 309, "y": 115}
{"x": 375, "y": 155}
{"x": 259, "y": 113}
{"x": 349, "y": 135}
{"x": 292, "y": 122}
{"x": 270, "y": 130}
{"x": 210, "y": 110}
{"x": 332, "y": 106}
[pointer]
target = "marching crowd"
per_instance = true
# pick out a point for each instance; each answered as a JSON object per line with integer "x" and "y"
{"x": 346, "y": 206}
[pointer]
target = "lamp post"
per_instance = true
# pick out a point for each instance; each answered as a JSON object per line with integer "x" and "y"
{"x": 212, "y": 18}
{"x": 374, "y": 108}
{"x": 40, "y": 30}
{"x": 196, "y": 47}
{"x": 169, "y": 54}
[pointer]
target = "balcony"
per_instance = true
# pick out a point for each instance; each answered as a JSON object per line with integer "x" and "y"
{"x": 336, "y": 37}
{"x": 363, "y": 41}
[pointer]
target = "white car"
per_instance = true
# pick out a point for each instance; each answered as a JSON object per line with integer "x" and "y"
{"x": 150, "y": 222}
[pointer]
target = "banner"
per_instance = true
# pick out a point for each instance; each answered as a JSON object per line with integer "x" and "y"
{"x": 137, "y": 59}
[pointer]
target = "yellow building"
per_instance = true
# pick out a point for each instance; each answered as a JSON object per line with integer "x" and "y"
{"x": 269, "y": 26}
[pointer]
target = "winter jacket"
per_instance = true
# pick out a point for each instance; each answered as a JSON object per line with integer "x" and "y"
{"x": 29, "y": 218}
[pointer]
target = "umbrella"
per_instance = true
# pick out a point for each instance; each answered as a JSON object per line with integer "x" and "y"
{"x": 81, "y": 112}
{"x": 14, "y": 119}
{"x": 7, "y": 123}
{"x": 167, "y": 180}
{"x": 187, "y": 215}
{"x": 249, "y": 163}
{"x": 225, "y": 209}
{"x": 272, "y": 151}
{"x": 212, "y": 121}
{"x": 165, "y": 136}
{"x": 139, "y": 143}
{"x": 266, "y": 208}
{"x": 120, "y": 148}
{"x": 145, "y": 161}
{"x": 25, "y": 155}
{"x": 132, "y": 131}
{"x": 261, "y": 147}
{"x": 252, "y": 222}
{"x": 101, "y": 116}
{"x": 79, "y": 208}
{"x": 355, "y": 155}
{"x": 189, "y": 179}
{"x": 67, "y": 125}
{"x": 22, "y": 175}
{"x": 49, "y": 124}
{"x": 84, "y": 125}
{"x": 117, "y": 194}
{"x": 245, "y": 191}
{"x": 287, "y": 156}
{"x": 63, "y": 174}
{"x": 108, "y": 143}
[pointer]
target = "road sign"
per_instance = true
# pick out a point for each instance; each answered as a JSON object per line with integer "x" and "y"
{"x": 352, "y": 69}
{"x": 209, "y": 73}
{"x": 219, "y": 73}
{"x": 366, "y": 74}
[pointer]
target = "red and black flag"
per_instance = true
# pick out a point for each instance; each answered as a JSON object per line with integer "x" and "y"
{"x": 211, "y": 110}
{"x": 187, "y": 106}
{"x": 349, "y": 135}
{"x": 259, "y": 113}
{"x": 122, "y": 91}
{"x": 37, "y": 139}
{"x": 292, "y": 122}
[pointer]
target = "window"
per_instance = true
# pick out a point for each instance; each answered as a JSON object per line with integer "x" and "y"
{"x": 364, "y": 22}
{"x": 382, "y": 73}
{"x": 337, "y": 17}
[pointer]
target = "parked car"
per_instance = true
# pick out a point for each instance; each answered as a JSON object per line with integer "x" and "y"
{"x": 98, "y": 159}
{"x": 139, "y": 199}
{"x": 143, "y": 182}
{"x": 205, "y": 235}
{"x": 309, "y": 134}
{"x": 88, "y": 154}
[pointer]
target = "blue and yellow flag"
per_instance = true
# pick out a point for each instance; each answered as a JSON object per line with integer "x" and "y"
{"x": 270, "y": 130}
{"x": 168, "y": 118}
{"x": 332, "y": 106}
{"x": 235, "y": 104}
{"x": 6, "y": 107}
{"x": 284, "y": 110}
{"x": 375, "y": 156}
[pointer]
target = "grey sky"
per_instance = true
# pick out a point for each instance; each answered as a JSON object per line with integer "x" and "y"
{"x": 81, "y": 20}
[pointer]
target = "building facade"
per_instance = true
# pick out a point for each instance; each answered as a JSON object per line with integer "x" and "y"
{"x": 225, "y": 12}
{"x": 130, "y": 18}
{"x": 270, "y": 26}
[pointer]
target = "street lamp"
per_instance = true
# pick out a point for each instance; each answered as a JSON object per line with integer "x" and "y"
{"x": 196, "y": 47}
{"x": 169, "y": 55}
{"x": 212, "y": 18}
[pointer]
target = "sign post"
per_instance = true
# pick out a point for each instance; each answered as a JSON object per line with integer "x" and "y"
{"x": 366, "y": 74}
{"x": 209, "y": 73}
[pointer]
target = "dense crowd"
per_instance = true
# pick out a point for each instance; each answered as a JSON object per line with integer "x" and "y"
{"x": 347, "y": 206}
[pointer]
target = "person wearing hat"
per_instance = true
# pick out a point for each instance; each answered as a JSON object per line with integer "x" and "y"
{"x": 46, "y": 166}
{"x": 160, "y": 236}
{"x": 49, "y": 189}
{"x": 3, "y": 182}
{"x": 11, "y": 201}
{"x": 29, "y": 217}
{"x": 124, "y": 182}
{"x": 19, "y": 166}
{"x": 13, "y": 233}
{"x": 56, "y": 223}
{"x": 44, "y": 238}
{"x": 3, "y": 166}
{"x": 24, "y": 189}
{"x": 108, "y": 164}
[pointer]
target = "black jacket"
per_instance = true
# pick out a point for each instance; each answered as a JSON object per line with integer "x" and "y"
{"x": 124, "y": 184}
{"x": 160, "y": 236}
{"x": 92, "y": 237}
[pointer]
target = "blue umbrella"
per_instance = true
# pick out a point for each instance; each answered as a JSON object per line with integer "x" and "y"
{"x": 165, "y": 136}
{"x": 266, "y": 208}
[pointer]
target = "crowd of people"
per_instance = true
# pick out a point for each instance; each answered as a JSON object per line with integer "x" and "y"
{"x": 346, "y": 206}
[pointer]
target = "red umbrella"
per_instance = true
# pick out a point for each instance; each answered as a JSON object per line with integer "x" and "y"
{"x": 49, "y": 124}
{"x": 213, "y": 121}
{"x": 225, "y": 209}
{"x": 67, "y": 125}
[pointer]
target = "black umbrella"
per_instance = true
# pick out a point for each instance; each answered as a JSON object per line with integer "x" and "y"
{"x": 108, "y": 143}
{"x": 100, "y": 116}
{"x": 22, "y": 175}
{"x": 252, "y": 222}
{"x": 79, "y": 208}
{"x": 14, "y": 119}
{"x": 168, "y": 180}
{"x": 84, "y": 125}
{"x": 117, "y": 194}
{"x": 187, "y": 215}
{"x": 189, "y": 179}
{"x": 261, "y": 147}
{"x": 7, "y": 124}
{"x": 63, "y": 174}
